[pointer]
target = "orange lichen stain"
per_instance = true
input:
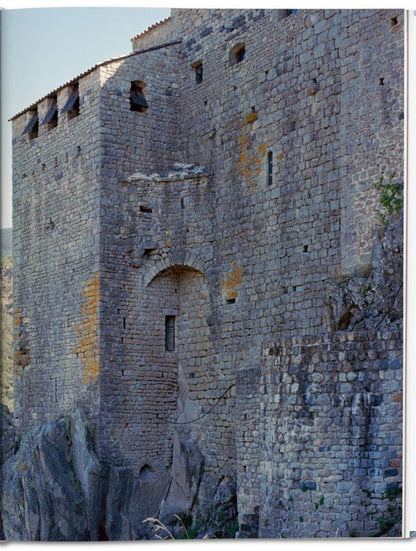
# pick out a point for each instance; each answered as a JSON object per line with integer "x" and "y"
{"x": 16, "y": 316}
{"x": 22, "y": 358}
{"x": 281, "y": 156}
{"x": 262, "y": 149}
{"x": 230, "y": 285}
{"x": 248, "y": 162}
{"x": 252, "y": 117}
{"x": 21, "y": 355}
{"x": 88, "y": 346}
{"x": 396, "y": 27}
{"x": 21, "y": 467}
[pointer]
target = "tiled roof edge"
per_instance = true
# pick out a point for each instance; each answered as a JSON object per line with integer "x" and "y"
{"x": 154, "y": 26}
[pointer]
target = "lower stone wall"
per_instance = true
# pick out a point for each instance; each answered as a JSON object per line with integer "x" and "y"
{"x": 324, "y": 431}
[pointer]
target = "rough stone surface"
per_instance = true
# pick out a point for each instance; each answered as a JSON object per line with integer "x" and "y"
{"x": 47, "y": 484}
{"x": 240, "y": 207}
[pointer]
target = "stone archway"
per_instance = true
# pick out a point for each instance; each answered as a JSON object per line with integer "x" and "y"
{"x": 177, "y": 346}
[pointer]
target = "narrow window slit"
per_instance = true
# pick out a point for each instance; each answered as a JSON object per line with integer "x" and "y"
{"x": 170, "y": 333}
{"x": 199, "y": 72}
{"x": 270, "y": 168}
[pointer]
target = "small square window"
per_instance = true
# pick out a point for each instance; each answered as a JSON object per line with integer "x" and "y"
{"x": 238, "y": 54}
{"x": 137, "y": 100}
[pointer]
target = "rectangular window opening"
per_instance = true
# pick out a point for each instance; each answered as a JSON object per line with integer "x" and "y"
{"x": 137, "y": 100}
{"x": 199, "y": 73}
{"x": 170, "y": 333}
{"x": 145, "y": 209}
{"x": 230, "y": 300}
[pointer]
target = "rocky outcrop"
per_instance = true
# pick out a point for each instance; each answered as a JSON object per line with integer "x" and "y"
{"x": 373, "y": 300}
{"x": 50, "y": 484}
{"x": 55, "y": 489}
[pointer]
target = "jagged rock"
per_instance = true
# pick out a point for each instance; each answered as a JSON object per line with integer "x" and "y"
{"x": 8, "y": 433}
{"x": 48, "y": 484}
{"x": 186, "y": 476}
{"x": 372, "y": 301}
{"x": 130, "y": 500}
{"x": 55, "y": 489}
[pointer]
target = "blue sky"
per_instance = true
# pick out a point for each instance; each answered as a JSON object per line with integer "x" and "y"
{"x": 42, "y": 48}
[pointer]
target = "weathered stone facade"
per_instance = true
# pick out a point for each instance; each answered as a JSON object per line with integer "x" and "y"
{"x": 159, "y": 250}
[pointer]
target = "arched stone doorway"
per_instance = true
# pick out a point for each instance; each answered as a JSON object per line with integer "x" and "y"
{"x": 175, "y": 365}
{"x": 175, "y": 353}
{"x": 173, "y": 420}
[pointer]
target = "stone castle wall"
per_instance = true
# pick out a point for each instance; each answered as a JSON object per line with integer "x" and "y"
{"x": 279, "y": 141}
{"x": 320, "y": 453}
{"x": 56, "y": 249}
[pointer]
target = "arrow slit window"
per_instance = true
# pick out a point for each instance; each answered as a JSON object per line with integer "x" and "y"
{"x": 170, "y": 333}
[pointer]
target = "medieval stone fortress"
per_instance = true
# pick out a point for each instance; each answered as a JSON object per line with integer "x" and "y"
{"x": 208, "y": 284}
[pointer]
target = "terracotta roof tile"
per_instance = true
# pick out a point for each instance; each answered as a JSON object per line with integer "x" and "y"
{"x": 154, "y": 26}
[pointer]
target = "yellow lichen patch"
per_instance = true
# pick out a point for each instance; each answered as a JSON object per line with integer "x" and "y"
{"x": 88, "y": 345}
{"x": 262, "y": 149}
{"x": 252, "y": 117}
{"x": 21, "y": 467}
{"x": 230, "y": 284}
{"x": 16, "y": 316}
{"x": 21, "y": 356}
{"x": 249, "y": 163}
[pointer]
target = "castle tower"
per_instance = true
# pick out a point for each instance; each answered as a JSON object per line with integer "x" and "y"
{"x": 183, "y": 216}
